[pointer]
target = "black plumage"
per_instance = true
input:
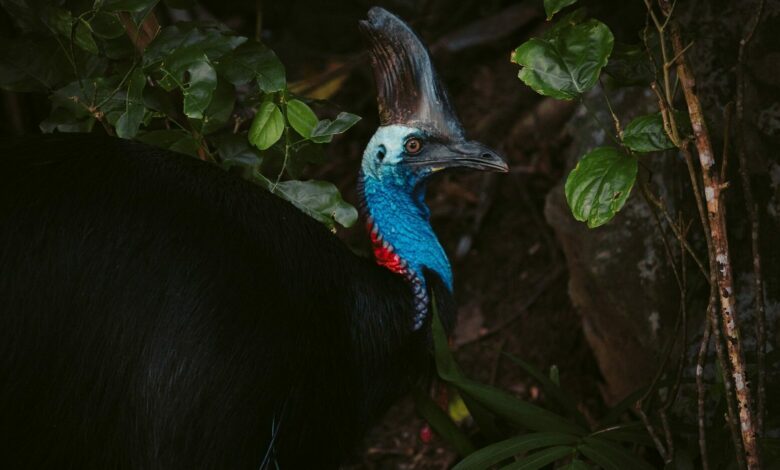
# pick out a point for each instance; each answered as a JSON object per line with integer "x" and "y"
{"x": 157, "y": 312}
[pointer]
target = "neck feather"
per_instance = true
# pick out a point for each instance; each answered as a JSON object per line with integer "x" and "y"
{"x": 402, "y": 236}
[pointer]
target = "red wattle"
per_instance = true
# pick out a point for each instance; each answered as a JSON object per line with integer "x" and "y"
{"x": 384, "y": 256}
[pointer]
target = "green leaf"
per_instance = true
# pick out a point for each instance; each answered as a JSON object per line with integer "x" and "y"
{"x": 234, "y": 150}
{"x": 600, "y": 184}
{"x": 326, "y": 129}
{"x": 177, "y": 46}
{"x": 220, "y": 109}
{"x": 254, "y": 61}
{"x": 567, "y": 63}
{"x": 551, "y": 7}
{"x": 301, "y": 117}
{"x": 175, "y": 140}
{"x": 647, "y": 134}
{"x": 319, "y": 199}
{"x": 611, "y": 456}
{"x": 540, "y": 459}
{"x": 267, "y": 126}
{"x": 633, "y": 433}
{"x": 559, "y": 396}
{"x": 200, "y": 87}
{"x": 576, "y": 465}
{"x": 442, "y": 424}
{"x": 106, "y": 25}
{"x": 497, "y": 401}
{"x": 82, "y": 37}
{"x": 495, "y": 453}
{"x": 129, "y": 122}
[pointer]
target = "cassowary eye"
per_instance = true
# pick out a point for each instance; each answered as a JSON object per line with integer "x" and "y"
{"x": 413, "y": 146}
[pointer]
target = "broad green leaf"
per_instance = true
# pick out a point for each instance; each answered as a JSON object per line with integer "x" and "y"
{"x": 540, "y": 459}
{"x": 220, "y": 109}
{"x": 129, "y": 122}
{"x": 611, "y": 456}
{"x": 301, "y": 117}
{"x": 200, "y": 87}
{"x": 495, "y": 453}
{"x": 267, "y": 126}
{"x": 177, "y": 46}
{"x": 551, "y": 7}
{"x": 82, "y": 37}
{"x": 326, "y": 129}
{"x": 235, "y": 150}
{"x": 600, "y": 184}
{"x": 318, "y": 199}
{"x": 442, "y": 424}
{"x": 647, "y": 134}
{"x": 567, "y": 63}
{"x": 254, "y": 61}
{"x": 175, "y": 140}
{"x": 559, "y": 396}
{"x": 106, "y": 25}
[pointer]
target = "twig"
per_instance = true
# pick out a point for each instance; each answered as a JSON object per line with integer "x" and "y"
{"x": 717, "y": 227}
{"x": 703, "y": 348}
{"x": 752, "y": 209}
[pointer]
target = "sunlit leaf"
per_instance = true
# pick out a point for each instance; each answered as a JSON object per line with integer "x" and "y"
{"x": 267, "y": 126}
{"x": 301, "y": 117}
{"x": 567, "y": 63}
{"x": 600, "y": 184}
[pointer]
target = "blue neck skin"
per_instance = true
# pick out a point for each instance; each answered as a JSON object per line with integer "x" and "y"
{"x": 394, "y": 200}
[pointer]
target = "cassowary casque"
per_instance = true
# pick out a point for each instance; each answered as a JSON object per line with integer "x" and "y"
{"x": 157, "y": 312}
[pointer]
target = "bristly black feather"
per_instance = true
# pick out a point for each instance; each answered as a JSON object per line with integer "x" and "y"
{"x": 157, "y": 312}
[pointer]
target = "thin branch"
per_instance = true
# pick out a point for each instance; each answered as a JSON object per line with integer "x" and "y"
{"x": 700, "y": 391}
{"x": 752, "y": 209}
{"x": 717, "y": 228}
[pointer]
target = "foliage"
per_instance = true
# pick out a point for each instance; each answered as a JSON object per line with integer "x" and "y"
{"x": 536, "y": 436}
{"x": 191, "y": 87}
{"x": 565, "y": 63}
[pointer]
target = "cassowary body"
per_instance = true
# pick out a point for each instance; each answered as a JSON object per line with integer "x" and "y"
{"x": 156, "y": 312}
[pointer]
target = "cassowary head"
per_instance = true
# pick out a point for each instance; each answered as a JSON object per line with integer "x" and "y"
{"x": 419, "y": 135}
{"x": 419, "y": 132}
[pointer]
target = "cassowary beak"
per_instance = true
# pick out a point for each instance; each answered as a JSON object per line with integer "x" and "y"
{"x": 465, "y": 154}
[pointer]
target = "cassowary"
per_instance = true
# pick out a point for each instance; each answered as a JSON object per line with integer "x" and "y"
{"x": 159, "y": 313}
